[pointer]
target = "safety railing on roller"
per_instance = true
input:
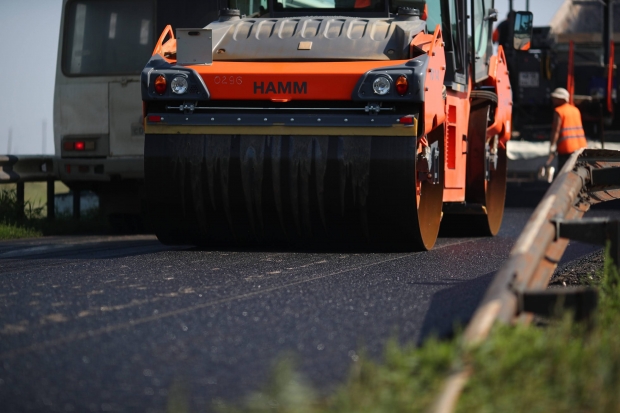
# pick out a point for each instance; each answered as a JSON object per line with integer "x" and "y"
{"x": 519, "y": 289}
{"x": 29, "y": 168}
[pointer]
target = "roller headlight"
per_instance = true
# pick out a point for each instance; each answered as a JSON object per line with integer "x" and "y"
{"x": 381, "y": 85}
{"x": 179, "y": 85}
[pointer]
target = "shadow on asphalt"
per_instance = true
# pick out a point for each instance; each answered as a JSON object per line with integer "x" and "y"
{"x": 470, "y": 226}
{"x": 525, "y": 195}
{"x": 452, "y": 308}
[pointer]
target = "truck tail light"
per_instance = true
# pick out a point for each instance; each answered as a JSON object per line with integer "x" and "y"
{"x": 87, "y": 145}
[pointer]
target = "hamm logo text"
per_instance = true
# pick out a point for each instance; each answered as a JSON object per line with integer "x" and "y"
{"x": 295, "y": 88}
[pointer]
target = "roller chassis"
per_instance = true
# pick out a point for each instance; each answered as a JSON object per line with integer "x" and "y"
{"x": 297, "y": 153}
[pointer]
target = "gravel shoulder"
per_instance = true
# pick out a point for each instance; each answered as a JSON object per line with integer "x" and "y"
{"x": 584, "y": 271}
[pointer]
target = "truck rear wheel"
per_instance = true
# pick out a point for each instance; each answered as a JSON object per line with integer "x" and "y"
{"x": 325, "y": 191}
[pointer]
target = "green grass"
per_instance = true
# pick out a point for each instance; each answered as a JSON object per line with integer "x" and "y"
{"x": 567, "y": 367}
{"x": 36, "y": 192}
{"x": 32, "y": 221}
{"x": 15, "y": 223}
{"x": 562, "y": 367}
{"x": 10, "y": 231}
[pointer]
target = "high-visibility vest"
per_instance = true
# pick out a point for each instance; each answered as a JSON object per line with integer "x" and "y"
{"x": 572, "y": 136}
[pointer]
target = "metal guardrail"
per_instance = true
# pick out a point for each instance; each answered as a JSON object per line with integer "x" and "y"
{"x": 26, "y": 168}
{"x": 29, "y": 168}
{"x": 518, "y": 289}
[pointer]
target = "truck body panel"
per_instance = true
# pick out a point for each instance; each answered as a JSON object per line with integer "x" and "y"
{"x": 103, "y": 46}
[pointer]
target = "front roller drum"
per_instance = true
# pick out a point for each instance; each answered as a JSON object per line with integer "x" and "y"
{"x": 326, "y": 191}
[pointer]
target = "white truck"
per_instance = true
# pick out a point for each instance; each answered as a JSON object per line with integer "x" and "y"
{"x": 98, "y": 131}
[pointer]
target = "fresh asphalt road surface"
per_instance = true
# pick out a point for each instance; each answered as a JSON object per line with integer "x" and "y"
{"x": 116, "y": 323}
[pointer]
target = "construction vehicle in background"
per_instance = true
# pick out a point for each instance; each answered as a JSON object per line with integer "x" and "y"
{"x": 577, "y": 53}
{"x": 329, "y": 122}
{"x": 98, "y": 128}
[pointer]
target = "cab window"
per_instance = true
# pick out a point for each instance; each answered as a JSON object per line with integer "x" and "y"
{"x": 251, "y": 8}
{"x": 107, "y": 37}
{"x": 481, "y": 32}
{"x": 330, "y": 5}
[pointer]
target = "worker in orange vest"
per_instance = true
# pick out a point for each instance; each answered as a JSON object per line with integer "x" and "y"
{"x": 567, "y": 135}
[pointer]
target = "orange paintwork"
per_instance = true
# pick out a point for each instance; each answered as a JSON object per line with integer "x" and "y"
{"x": 269, "y": 80}
{"x": 162, "y": 48}
{"x": 421, "y": 41}
{"x": 438, "y": 111}
{"x": 498, "y": 78}
{"x": 434, "y": 104}
{"x": 455, "y": 143}
{"x": 276, "y": 81}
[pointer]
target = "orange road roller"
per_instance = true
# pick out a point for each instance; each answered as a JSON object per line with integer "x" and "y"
{"x": 329, "y": 123}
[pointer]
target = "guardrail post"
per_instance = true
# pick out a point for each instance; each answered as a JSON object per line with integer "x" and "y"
{"x": 76, "y": 203}
{"x": 605, "y": 177}
{"x": 51, "y": 204}
{"x": 20, "y": 199}
{"x": 596, "y": 231}
{"x": 547, "y": 303}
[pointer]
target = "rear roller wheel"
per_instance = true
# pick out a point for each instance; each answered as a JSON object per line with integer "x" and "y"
{"x": 495, "y": 194}
{"x": 486, "y": 174}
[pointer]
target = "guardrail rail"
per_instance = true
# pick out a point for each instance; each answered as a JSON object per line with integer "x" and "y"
{"x": 29, "y": 168}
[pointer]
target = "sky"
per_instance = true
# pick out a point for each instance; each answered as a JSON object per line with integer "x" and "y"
{"x": 30, "y": 30}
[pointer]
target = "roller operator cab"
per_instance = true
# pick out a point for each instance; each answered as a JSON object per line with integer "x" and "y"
{"x": 329, "y": 122}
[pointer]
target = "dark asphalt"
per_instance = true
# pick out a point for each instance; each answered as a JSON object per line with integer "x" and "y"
{"x": 113, "y": 323}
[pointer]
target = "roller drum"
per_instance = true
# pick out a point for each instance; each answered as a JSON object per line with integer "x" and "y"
{"x": 243, "y": 190}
